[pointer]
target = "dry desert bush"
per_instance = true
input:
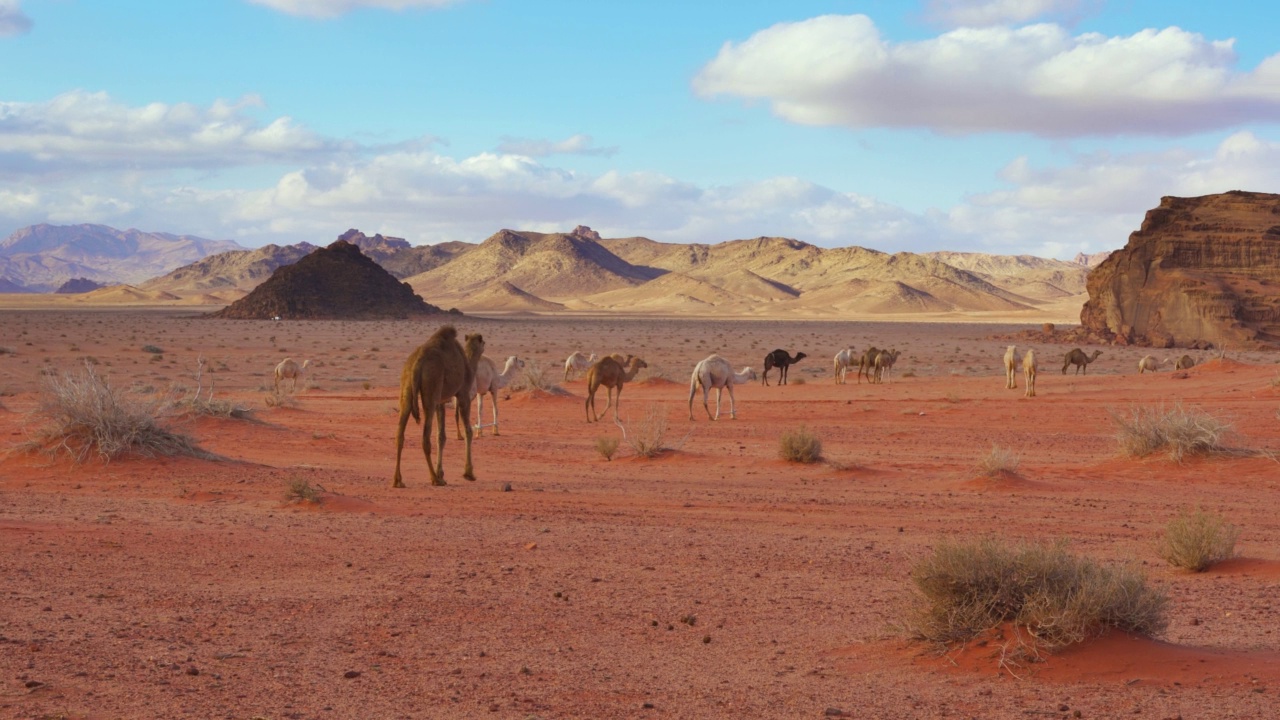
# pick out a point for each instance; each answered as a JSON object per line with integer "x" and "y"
{"x": 647, "y": 437}
{"x": 607, "y": 446}
{"x": 87, "y": 416}
{"x": 1177, "y": 431}
{"x": 967, "y": 588}
{"x": 1196, "y": 540}
{"x": 301, "y": 490}
{"x": 537, "y": 376}
{"x": 800, "y": 445}
{"x": 998, "y": 461}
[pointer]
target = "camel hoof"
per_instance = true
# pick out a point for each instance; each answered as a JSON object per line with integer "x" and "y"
{"x": 469, "y": 476}
{"x": 397, "y": 483}
{"x": 438, "y": 482}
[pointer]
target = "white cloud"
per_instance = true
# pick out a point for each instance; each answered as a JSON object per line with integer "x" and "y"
{"x": 579, "y": 144}
{"x": 334, "y": 8}
{"x": 80, "y": 130}
{"x": 12, "y": 20}
{"x": 984, "y": 13}
{"x": 1038, "y": 79}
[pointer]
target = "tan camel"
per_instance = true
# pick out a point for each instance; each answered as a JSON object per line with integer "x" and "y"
{"x": 290, "y": 370}
{"x": 577, "y": 362}
{"x": 1147, "y": 363}
{"x": 489, "y": 380}
{"x": 884, "y": 364}
{"x": 1079, "y": 359}
{"x": 439, "y": 369}
{"x": 1029, "y": 371}
{"x": 867, "y": 363}
{"x": 843, "y": 361}
{"x": 1010, "y": 368}
{"x": 609, "y": 373}
{"x": 1182, "y": 363}
{"x": 714, "y": 371}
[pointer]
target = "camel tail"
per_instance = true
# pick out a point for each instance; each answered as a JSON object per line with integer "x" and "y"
{"x": 410, "y": 395}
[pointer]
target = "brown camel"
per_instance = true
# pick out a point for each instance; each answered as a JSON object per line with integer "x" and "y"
{"x": 884, "y": 364}
{"x": 867, "y": 363}
{"x": 436, "y": 371}
{"x": 1010, "y": 368}
{"x": 781, "y": 360}
{"x": 1079, "y": 359}
{"x": 609, "y": 373}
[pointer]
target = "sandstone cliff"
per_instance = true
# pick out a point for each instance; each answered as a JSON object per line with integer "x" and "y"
{"x": 1202, "y": 271}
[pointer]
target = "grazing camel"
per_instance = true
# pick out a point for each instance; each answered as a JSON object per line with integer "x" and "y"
{"x": 1010, "y": 368}
{"x": 578, "y": 362}
{"x": 610, "y": 373}
{"x": 714, "y": 371}
{"x": 867, "y": 363}
{"x": 781, "y": 360}
{"x": 884, "y": 364}
{"x": 489, "y": 380}
{"x": 1147, "y": 363}
{"x": 843, "y": 361}
{"x": 1079, "y": 359}
{"x": 439, "y": 369}
{"x": 1029, "y": 371}
{"x": 1182, "y": 363}
{"x": 290, "y": 370}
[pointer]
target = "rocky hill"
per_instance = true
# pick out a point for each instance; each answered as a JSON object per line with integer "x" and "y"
{"x": 335, "y": 282}
{"x": 1200, "y": 271}
{"x": 42, "y": 257}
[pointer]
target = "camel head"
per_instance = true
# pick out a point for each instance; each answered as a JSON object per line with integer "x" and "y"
{"x": 800, "y": 356}
{"x": 306, "y": 363}
{"x": 749, "y": 375}
{"x": 515, "y": 362}
{"x": 475, "y": 346}
{"x": 592, "y": 359}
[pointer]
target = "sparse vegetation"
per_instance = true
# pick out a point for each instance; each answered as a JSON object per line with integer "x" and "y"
{"x": 537, "y": 377}
{"x": 1177, "y": 431}
{"x": 966, "y": 588}
{"x": 301, "y": 490}
{"x": 998, "y": 461}
{"x": 607, "y": 446}
{"x": 649, "y": 434}
{"x": 153, "y": 349}
{"x": 800, "y": 446}
{"x": 1196, "y": 540}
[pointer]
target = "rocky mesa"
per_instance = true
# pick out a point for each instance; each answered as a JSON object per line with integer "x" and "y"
{"x": 1201, "y": 272}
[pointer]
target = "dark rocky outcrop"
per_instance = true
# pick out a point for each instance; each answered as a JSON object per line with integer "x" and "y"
{"x": 75, "y": 286}
{"x": 1201, "y": 272}
{"x": 335, "y": 282}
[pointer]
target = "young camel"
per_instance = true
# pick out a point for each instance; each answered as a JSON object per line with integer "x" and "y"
{"x": 1147, "y": 363}
{"x": 714, "y": 371}
{"x": 1182, "y": 363}
{"x": 290, "y": 370}
{"x": 843, "y": 361}
{"x": 1079, "y": 359}
{"x": 781, "y": 360}
{"x": 1029, "y": 371}
{"x": 609, "y": 373}
{"x": 439, "y": 369}
{"x": 578, "y": 362}
{"x": 867, "y": 363}
{"x": 1010, "y": 368}
{"x": 884, "y": 364}
{"x": 489, "y": 380}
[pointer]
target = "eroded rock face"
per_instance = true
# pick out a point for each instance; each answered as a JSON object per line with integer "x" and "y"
{"x": 1201, "y": 272}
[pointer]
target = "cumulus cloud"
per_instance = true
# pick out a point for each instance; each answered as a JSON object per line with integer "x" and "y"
{"x": 984, "y": 13}
{"x": 579, "y": 144}
{"x": 12, "y": 20}
{"x": 80, "y": 130}
{"x": 1037, "y": 79}
{"x": 334, "y": 8}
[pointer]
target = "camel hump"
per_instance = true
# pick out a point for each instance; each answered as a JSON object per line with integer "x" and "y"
{"x": 446, "y": 332}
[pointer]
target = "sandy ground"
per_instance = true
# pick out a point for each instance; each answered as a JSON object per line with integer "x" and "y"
{"x": 713, "y": 581}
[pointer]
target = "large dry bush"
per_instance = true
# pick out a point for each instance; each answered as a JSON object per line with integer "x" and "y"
{"x": 87, "y": 416}
{"x": 1196, "y": 540}
{"x": 1177, "y": 431}
{"x": 537, "y": 376}
{"x": 999, "y": 461}
{"x": 966, "y": 588}
{"x": 800, "y": 446}
{"x": 647, "y": 436}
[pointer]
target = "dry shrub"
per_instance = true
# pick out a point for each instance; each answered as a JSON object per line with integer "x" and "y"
{"x": 607, "y": 446}
{"x": 800, "y": 445}
{"x": 1196, "y": 540}
{"x": 1177, "y": 431}
{"x": 965, "y": 589}
{"x": 999, "y": 461}
{"x": 88, "y": 416}
{"x": 301, "y": 490}
{"x": 537, "y": 376}
{"x": 648, "y": 436}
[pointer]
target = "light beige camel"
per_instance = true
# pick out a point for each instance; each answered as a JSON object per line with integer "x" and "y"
{"x": 609, "y": 373}
{"x": 290, "y": 370}
{"x": 1011, "y": 368}
{"x": 1079, "y": 359}
{"x": 490, "y": 381}
{"x": 1182, "y": 363}
{"x": 1147, "y": 363}
{"x": 1029, "y": 371}
{"x": 439, "y": 369}
{"x": 867, "y": 363}
{"x": 714, "y": 371}
{"x": 884, "y": 364}
{"x": 843, "y": 361}
{"x": 577, "y": 362}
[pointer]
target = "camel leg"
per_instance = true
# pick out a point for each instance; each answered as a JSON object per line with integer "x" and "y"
{"x": 437, "y": 473}
{"x": 468, "y": 472}
{"x": 591, "y": 403}
{"x": 428, "y": 417}
{"x": 479, "y": 426}
{"x": 719, "y": 394}
{"x": 706, "y": 394}
{"x": 608, "y": 394}
{"x": 617, "y": 404}
{"x": 733, "y": 405}
{"x": 493, "y": 399}
{"x": 396, "y": 481}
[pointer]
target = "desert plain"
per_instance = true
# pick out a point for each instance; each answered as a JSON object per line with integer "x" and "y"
{"x": 714, "y": 580}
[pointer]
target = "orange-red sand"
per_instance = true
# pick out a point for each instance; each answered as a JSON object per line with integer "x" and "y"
{"x": 713, "y": 581}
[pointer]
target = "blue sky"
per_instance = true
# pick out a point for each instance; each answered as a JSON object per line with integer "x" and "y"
{"x": 1046, "y": 127}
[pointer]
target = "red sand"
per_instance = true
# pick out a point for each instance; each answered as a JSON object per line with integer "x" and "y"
{"x": 713, "y": 581}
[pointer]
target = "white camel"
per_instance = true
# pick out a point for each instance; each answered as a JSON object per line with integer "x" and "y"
{"x": 577, "y": 362}
{"x": 1029, "y": 371}
{"x": 489, "y": 380}
{"x": 1010, "y": 368}
{"x": 1147, "y": 363}
{"x": 843, "y": 360}
{"x": 290, "y": 370}
{"x": 714, "y": 371}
